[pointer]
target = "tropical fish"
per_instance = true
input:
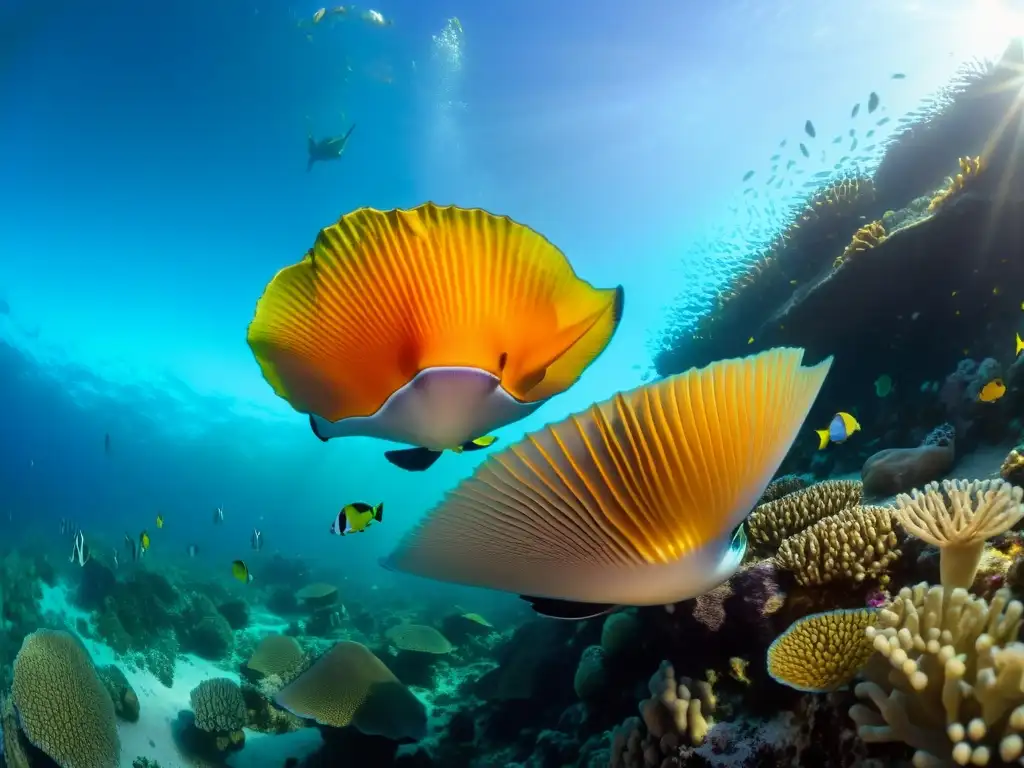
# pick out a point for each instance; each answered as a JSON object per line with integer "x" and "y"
{"x": 319, "y": 15}
{"x": 159, "y": 521}
{"x": 873, "y": 102}
{"x": 992, "y": 391}
{"x": 883, "y": 385}
{"x": 193, "y": 550}
{"x": 356, "y": 518}
{"x": 241, "y": 572}
{"x": 853, "y": 112}
{"x": 218, "y": 516}
{"x": 143, "y": 543}
{"x": 80, "y": 550}
{"x": 256, "y": 540}
{"x": 635, "y": 501}
{"x": 419, "y": 459}
{"x": 67, "y": 527}
{"x": 476, "y": 322}
{"x": 748, "y": 176}
{"x": 803, "y": 150}
{"x": 809, "y": 129}
{"x": 376, "y": 18}
{"x": 839, "y": 429}
{"x": 1020, "y": 344}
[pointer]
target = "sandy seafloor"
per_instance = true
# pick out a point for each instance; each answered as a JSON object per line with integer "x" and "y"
{"x": 159, "y": 706}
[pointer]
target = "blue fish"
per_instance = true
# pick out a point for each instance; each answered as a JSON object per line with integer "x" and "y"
{"x": 841, "y": 427}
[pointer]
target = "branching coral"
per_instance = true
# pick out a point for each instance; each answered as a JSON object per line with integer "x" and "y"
{"x": 959, "y": 517}
{"x": 771, "y": 523}
{"x": 853, "y": 545}
{"x": 947, "y": 677}
{"x": 668, "y": 717}
{"x": 782, "y": 486}
{"x": 823, "y": 651}
{"x": 970, "y": 169}
{"x": 865, "y": 238}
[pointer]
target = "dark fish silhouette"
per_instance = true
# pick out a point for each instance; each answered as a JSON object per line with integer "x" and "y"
{"x": 330, "y": 148}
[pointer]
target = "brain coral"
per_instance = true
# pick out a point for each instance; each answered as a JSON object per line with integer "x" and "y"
{"x": 419, "y": 638}
{"x": 276, "y": 655}
{"x": 348, "y": 685}
{"x": 62, "y": 705}
{"x": 218, "y": 705}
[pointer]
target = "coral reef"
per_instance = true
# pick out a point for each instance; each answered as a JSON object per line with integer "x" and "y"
{"x": 823, "y": 651}
{"x": 772, "y": 522}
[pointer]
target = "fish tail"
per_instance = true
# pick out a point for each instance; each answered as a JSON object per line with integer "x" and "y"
{"x": 344, "y": 139}
{"x": 822, "y": 438}
{"x": 413, "y": 459}
{"x": 378, "y": 512}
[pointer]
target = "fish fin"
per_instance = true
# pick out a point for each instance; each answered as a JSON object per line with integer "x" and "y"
{"x": 413, "y": 459}
{"x": 557, "y": 361}
{"x": 316, "y": 430}
{"x": 444, "y": 286}
{"x": 344, "y": 139}
{"x": 566, "y": 609}
{"x": 378, "y": 512}
{"x": 646, "y": 478}
{"x": 822, "y": 438}
{"x": 479, "y": 444}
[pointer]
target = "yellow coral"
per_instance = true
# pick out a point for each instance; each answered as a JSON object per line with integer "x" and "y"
{"x": 865, "y": 238}
{"x": 959, "y": 517}
{"x": 672, "y": 709}
{"x": 418, "y": 638}
{"x": 970, "y": 169}
{"x": 823, "y": 651}
{"x": 947, "y": 677}
{"x": 1012, "y": 470}
{"x": 852, "y": 545}
{"x": 771, "y": 523}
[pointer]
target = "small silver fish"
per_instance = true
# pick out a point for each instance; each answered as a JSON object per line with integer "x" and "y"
{"x": 256, "y": 540}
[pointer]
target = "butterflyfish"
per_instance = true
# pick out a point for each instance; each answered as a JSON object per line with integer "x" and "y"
{"x": 1020, "y": 345}
{"x": 431, "y": 326}
{"x": 839, "y": 430}
{"x": 356, "y": 517}
{"x": 143, "y": 543}
{"x": 80, "y": 550}
{"x": 992, "y": 391}
{"x": 419, "y": 459}
{"x": 240, "y": 571}
{"x": 638, "y": 500}
{"x": 159, "y": 521}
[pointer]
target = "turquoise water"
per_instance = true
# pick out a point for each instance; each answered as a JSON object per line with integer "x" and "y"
{"x": 153, "y": 179}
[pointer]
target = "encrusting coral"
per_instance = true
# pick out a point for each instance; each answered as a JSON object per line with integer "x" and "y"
{"x": 823, "y": 651}
{"x": 771, "y": 523}
{"x": 1012, "y": 469}
{"x": 947, "y": 678}
{"x": 852, "y": 545}
{"x": 958, "y": 517}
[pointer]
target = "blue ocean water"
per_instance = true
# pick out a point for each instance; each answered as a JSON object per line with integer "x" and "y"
{"x": 153, "y": 179}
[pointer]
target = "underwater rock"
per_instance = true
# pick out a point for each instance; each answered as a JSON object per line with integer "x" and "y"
{"x": 202, "y": 629}
{"x": 590, "y": 680}
{"x": 126, "y": 703}
{"x": 236, "y": 612}
{"x": 96, "y": 584}
{"x": 895, "y": 470}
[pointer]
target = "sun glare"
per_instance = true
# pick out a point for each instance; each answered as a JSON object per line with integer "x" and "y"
{"x": 989, "y": 26}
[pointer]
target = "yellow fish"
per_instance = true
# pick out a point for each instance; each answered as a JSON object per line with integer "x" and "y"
{"x": 839, "y": 430}
{"x": 319, "y": 15}
{"x": 992, "y": 391}
{"x": 1020, "y": 345}
{"x": 476, "y": 322}
{"x": 159, "y": 521}
{"x": 419, "y": 459}
{"x": 356, "y": 517}
{"x": 634, "y": 501}
{"x": 144, "y": 542}
{"x": 241, "y": 572}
